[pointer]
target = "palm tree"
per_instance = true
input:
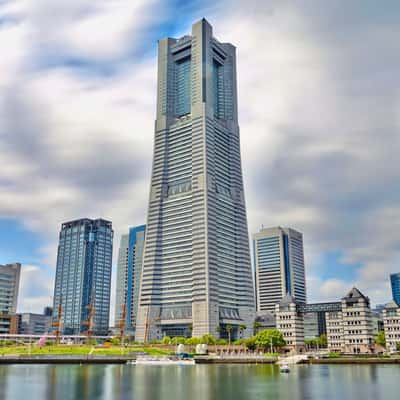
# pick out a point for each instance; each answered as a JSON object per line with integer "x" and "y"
{"x": 242, "y": 327}
{"x": 229, "y": 330}
{"x": 218, "y": 329}
{"x": 256, "y": 326}
{"x": 190, "y": 329}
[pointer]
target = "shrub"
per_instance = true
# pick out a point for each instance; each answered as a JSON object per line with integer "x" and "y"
{"x": 115, "y": 341}
{"x": 166, "y": 340}
{"x": 178, "y": 340}
{"x": 193, "y": 341}
{"x": 208, "y": 339}
{"x": 222, "y": 342}
{"x": 250, "y": 343}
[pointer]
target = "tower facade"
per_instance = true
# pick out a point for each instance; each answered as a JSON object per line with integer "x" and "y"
{"x": 9, "y": 287}
{"x": 279, "y": 266}
{"x": 130, "y": 257}
{"x": 83, "y": 276}
{"x": 395, "y": 284}
{"x": 196, "y": 272}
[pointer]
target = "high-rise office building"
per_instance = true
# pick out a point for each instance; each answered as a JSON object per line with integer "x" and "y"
{"x": 196, "y": 270}
{"x": 130, "y": 256}
{"x": 395, "y": 283}
{"x": 279, "y": 266}
{"x": 83, "y": 276}
{"x": 9, "y": 287}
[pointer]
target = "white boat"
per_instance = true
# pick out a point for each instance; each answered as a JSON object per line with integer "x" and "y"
{"x": 285, "y": 368}
{"x": 163, "y": 361}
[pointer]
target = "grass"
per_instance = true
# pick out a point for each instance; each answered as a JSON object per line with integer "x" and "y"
{"x": 79, "y": 350}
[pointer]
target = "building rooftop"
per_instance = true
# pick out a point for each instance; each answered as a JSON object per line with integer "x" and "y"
{"x": 355, "y": 294}
{"x": 392, "y": 304}
{"x": 287, "y": 300}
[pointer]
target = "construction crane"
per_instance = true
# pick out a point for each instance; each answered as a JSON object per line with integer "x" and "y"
{"x": 122, "y": 323}
{"x": 90, "y": 321}
{"x": 57, "y": 324}
{"x": 147, "y": 324}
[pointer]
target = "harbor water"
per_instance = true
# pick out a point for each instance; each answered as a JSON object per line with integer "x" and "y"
{"x": 198, "y": 382}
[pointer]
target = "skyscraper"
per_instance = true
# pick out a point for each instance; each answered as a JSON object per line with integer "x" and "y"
{"x": 196, "y": 270}
{"x": 9, "y": 287}
{"x": 395, "y": 283}
{"x": 130, "y": 256}
{"x": 83, "y": 276}
{"x": 279, "y": 266}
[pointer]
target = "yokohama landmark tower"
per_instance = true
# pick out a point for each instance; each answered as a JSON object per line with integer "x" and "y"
{"x": 196, "y": 275}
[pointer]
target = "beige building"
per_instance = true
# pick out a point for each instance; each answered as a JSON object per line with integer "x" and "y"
{"x": 351, "y": 330}
{"x": 334, "y": 331}
{"x": 289, "y": 321}
{"x": 391, "y": 323}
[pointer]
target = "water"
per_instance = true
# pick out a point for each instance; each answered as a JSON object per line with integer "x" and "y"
{"x": 200, "y": 382}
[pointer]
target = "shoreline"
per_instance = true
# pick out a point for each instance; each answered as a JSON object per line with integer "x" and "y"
{"x": 64, "y": 359}
{"x": 107, "y": 359}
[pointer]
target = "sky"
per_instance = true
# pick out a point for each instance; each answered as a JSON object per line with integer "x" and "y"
{"x": 319, "y": 111}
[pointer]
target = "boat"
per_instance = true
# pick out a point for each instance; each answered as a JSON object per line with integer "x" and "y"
{"x": 285, "y": 368}
{"x": 164, "y": 361}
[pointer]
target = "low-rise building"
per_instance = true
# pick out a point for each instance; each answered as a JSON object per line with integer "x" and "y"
{"x": 265, "y": 320}
{"x": 289, "y": 321}
{"x": 351, "y": 329}
{"x": 334, "y": 331}
{"x": 34, "y": 324}
{"x": 391, "y": 321}
{"x": 315, "y": 317}
{"x": 9, "y": 324}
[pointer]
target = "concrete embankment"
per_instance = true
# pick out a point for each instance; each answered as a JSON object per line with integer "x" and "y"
{"x": 64, "y": 359}
{"x": 354, "y": 360}
{"x": 233, "y": 360}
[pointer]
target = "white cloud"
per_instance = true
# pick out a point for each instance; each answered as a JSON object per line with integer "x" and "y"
{"x": 318, "y": 114}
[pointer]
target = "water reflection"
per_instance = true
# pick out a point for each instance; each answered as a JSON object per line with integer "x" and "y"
{"x": 201, "y": 382}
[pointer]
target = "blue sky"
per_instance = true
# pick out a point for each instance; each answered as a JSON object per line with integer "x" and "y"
{"x": 319, "y": 104}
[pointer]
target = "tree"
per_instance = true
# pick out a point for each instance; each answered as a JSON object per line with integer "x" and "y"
{"x": 256, "y": 326}
{"x": 380, "y": 338}
{"x": 310, "y": 343}
{"x": 398, "y": 346}
{"x": 269, "y": 339}
{"x": 229, "y": 329}
{"x": 323, "y": 340}
{"x": 250, "y": 343}
{"x": 208, "y": 339}
{"x": 242, "y": 328}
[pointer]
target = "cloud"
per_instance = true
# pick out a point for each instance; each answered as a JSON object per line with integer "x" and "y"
{"x": 318, "y": 107}
{"x": 36, "y": 290}
{"x": 319, "y": 131}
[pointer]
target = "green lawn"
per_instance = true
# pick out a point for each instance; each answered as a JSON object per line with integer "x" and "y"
{"x": 79, "y": 350}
